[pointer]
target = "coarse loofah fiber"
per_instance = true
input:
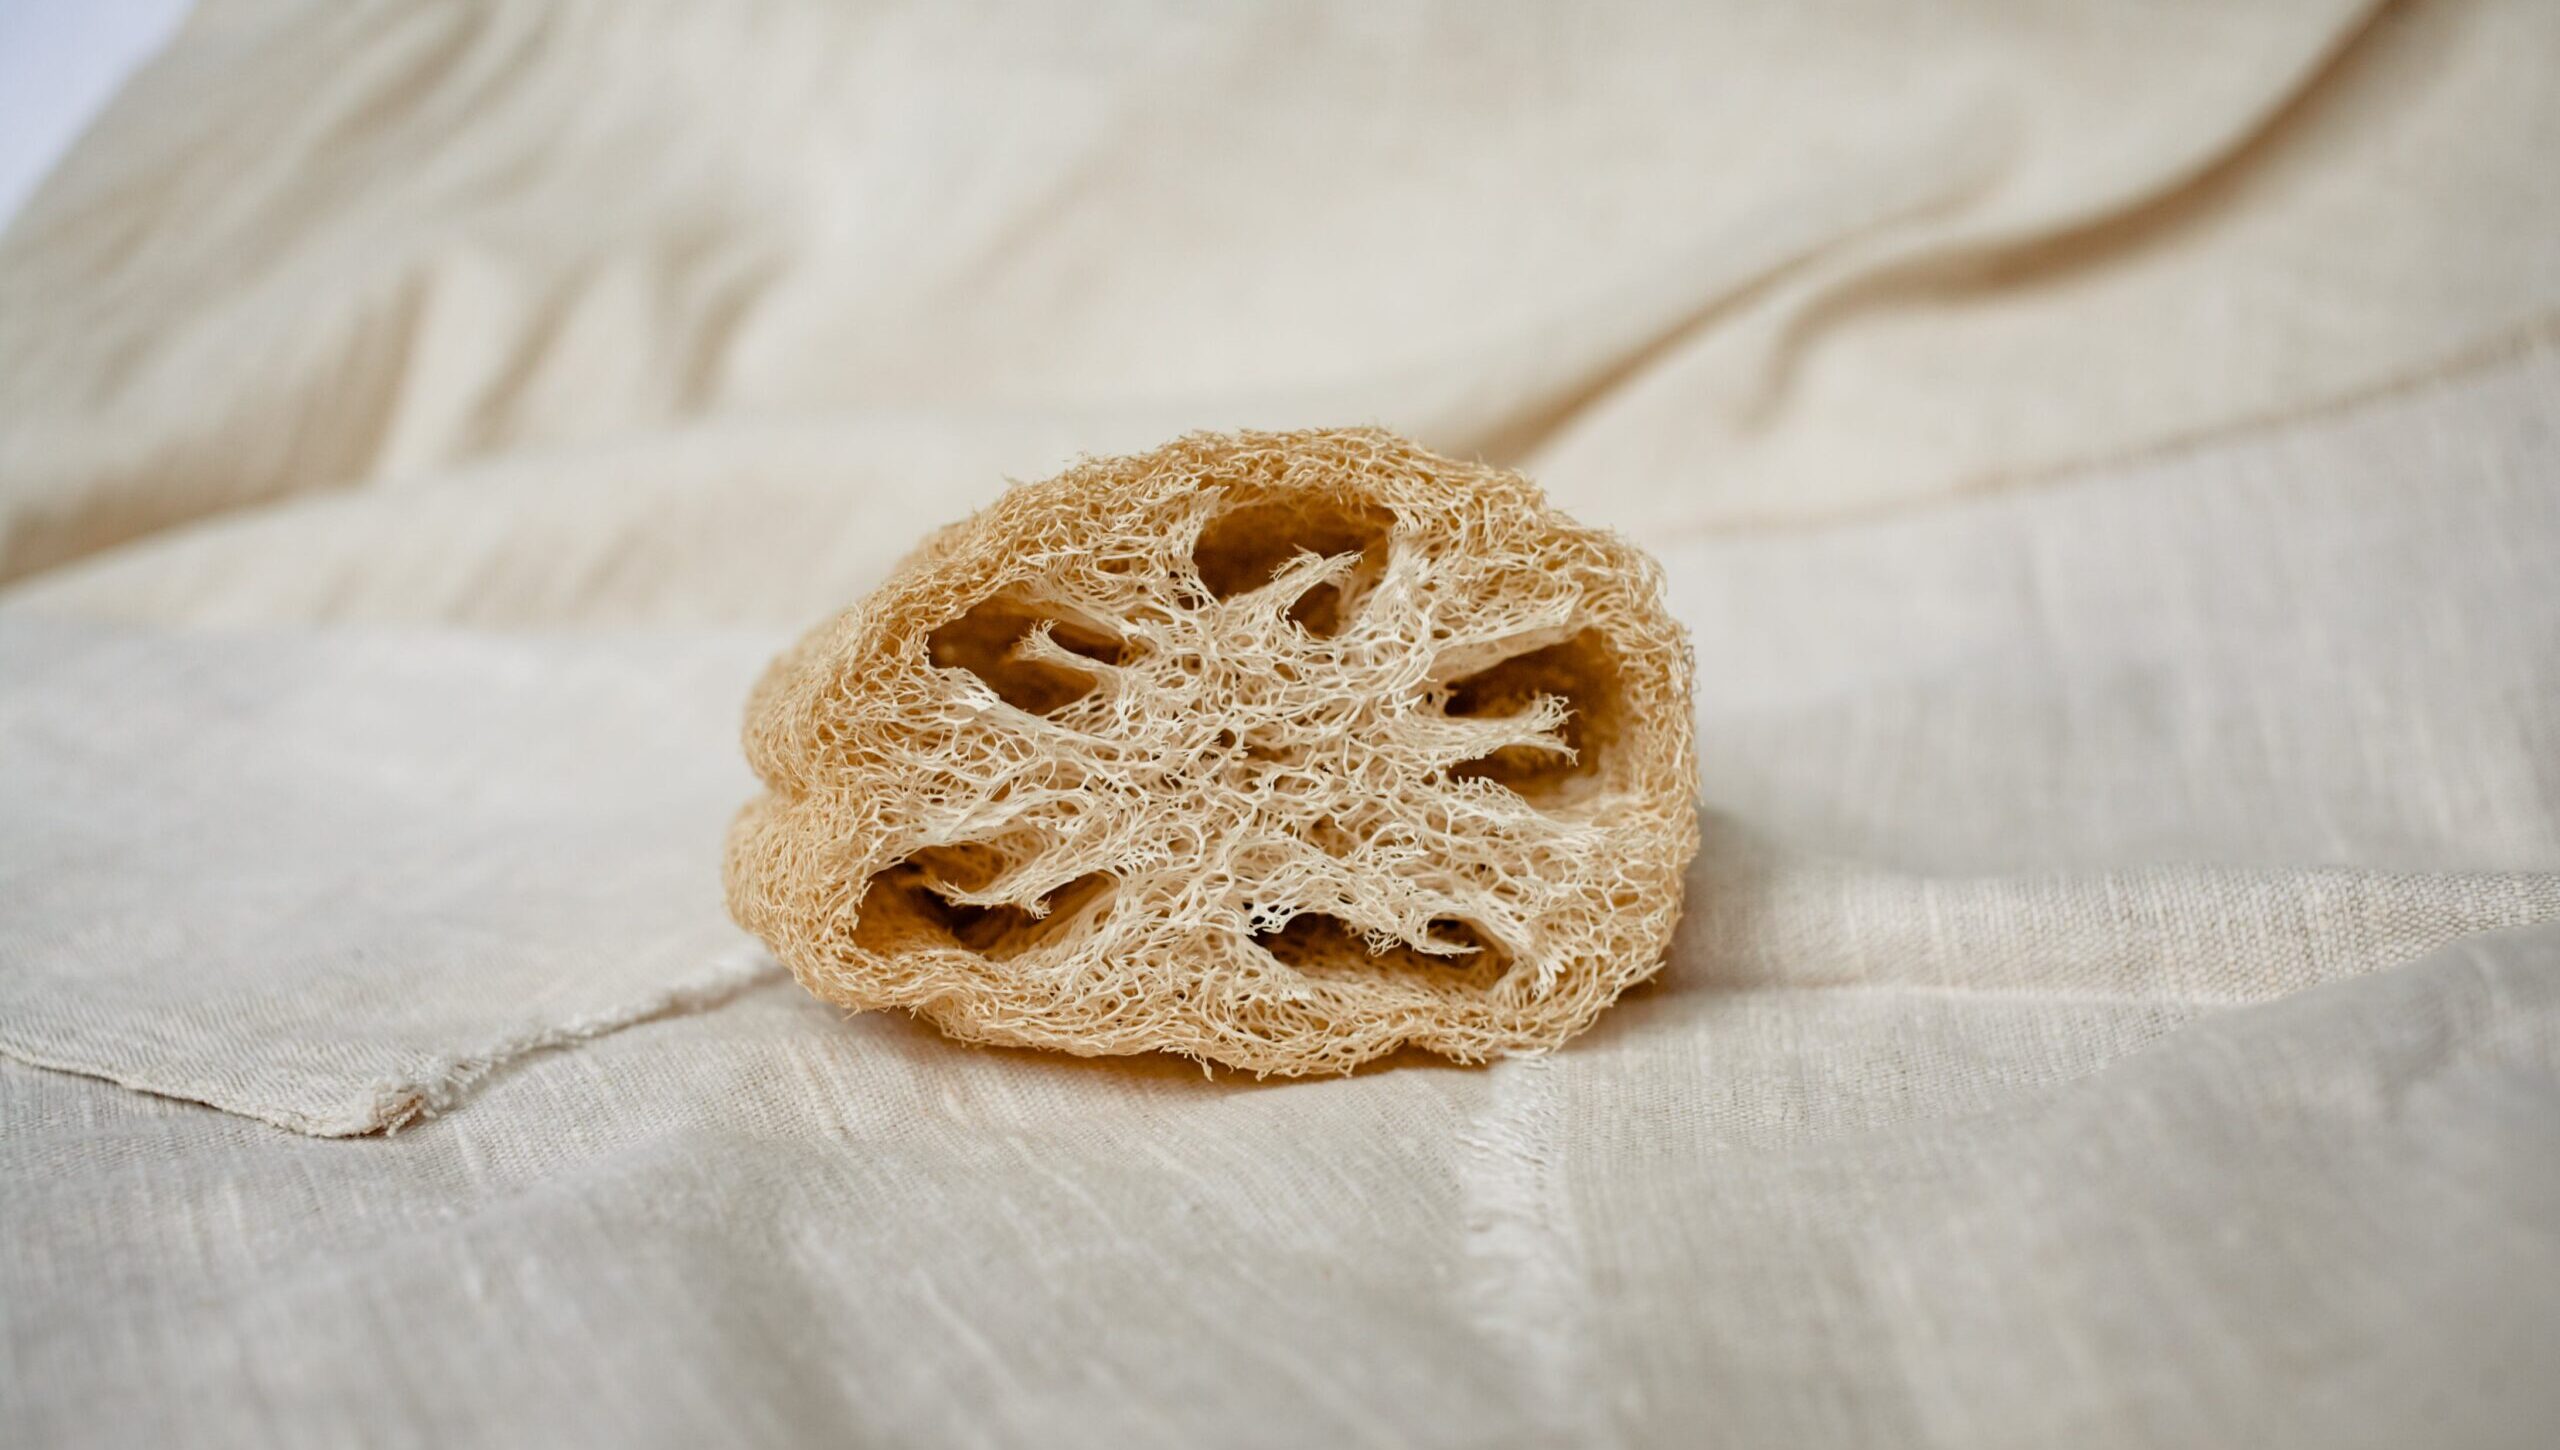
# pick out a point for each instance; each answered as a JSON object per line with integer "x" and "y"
{"x": 1276, "y": 750}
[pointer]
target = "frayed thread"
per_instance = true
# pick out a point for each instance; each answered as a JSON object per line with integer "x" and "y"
{"x": 445, "y": 1082}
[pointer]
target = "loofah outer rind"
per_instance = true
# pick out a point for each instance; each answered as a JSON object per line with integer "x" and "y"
{"x": 1280, "y": 751}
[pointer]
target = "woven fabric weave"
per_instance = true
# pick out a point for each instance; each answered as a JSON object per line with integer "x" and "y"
{"x": 2101, "y": 456}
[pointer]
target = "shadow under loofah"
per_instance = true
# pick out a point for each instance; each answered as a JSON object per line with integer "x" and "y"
{"x": 1280, "y": 751}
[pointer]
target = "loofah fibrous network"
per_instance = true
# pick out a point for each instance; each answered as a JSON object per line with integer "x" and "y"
{"x": 1277, "y": 750}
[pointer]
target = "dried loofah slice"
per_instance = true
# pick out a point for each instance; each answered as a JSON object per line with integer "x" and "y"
{"x": 1276, "y": 750}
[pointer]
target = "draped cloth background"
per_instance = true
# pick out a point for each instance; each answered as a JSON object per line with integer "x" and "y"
{"x": 2108, "y": 458}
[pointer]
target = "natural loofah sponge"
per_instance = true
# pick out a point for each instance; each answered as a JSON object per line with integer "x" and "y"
{"x": 1278, "y": 750}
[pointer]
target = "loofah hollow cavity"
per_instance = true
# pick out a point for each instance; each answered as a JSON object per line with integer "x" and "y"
{"x": 1280, "y": 751}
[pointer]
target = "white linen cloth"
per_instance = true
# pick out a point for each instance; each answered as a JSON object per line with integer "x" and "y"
{"x": 2109, "y": 462}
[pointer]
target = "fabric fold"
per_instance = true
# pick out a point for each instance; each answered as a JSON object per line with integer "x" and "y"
{"x": 331, "y": 881}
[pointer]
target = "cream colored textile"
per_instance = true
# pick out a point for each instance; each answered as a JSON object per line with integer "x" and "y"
{"x": 1716, "y": 258}
{"x": 1732, "y": 1217}
{"x": 330, "y": 880}
{"x": 2108, "y": 459}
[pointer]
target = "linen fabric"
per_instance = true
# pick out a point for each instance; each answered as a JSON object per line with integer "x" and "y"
{"x": 2107, "y": 460}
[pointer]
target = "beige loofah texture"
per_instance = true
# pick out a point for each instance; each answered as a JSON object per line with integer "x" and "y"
{"x": 1276, "y": 750}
